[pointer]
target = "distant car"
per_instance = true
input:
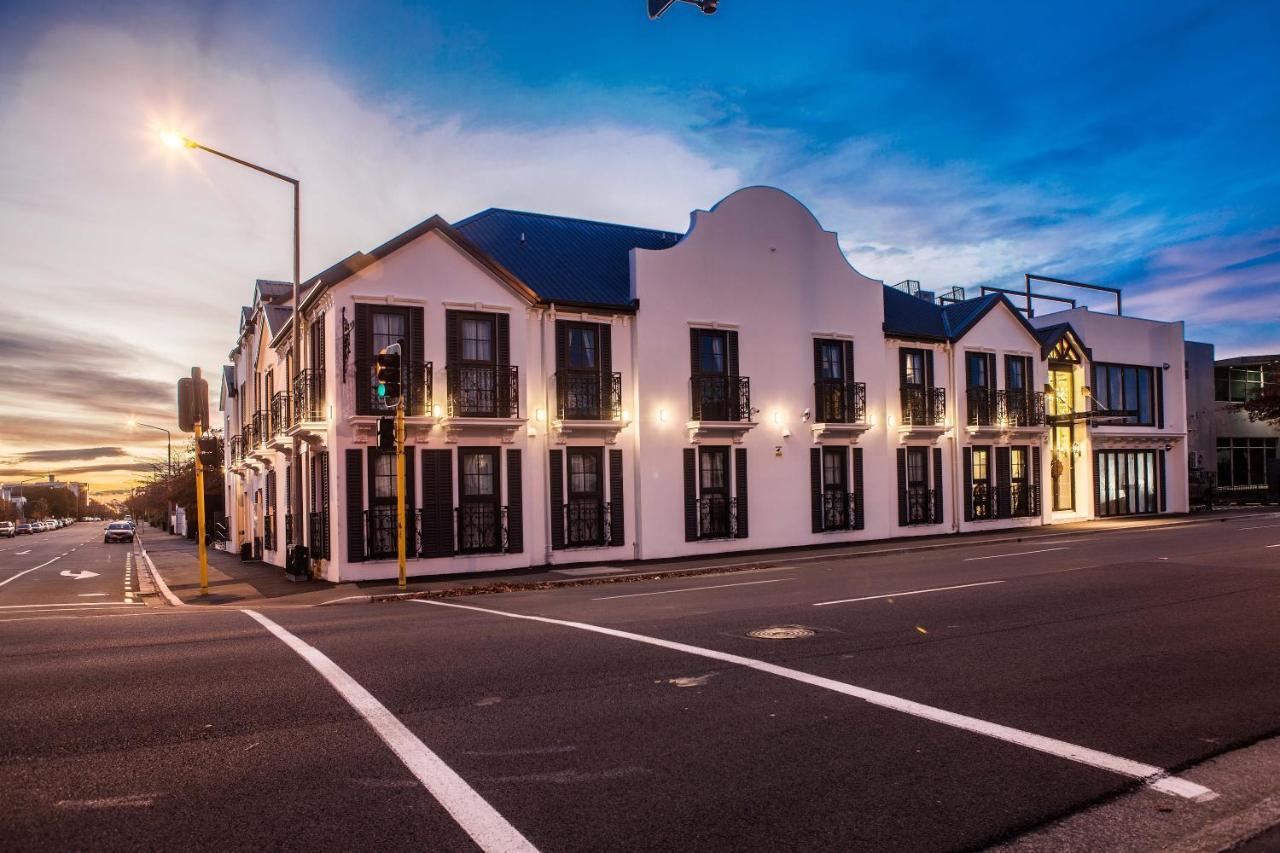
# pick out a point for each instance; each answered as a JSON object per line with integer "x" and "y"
{"x": 7, "y": 529}
{"x": 24, "y": 528}
{"x": 117, "y": 531}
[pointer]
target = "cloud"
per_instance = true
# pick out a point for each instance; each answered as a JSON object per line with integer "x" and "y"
{"x": 68, "y": 455}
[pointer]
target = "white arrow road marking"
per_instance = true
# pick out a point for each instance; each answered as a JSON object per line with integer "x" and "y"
{"x": 24, "y": 571}
{"x": 67, "y": 573}
{"x": 1156, "y": 777}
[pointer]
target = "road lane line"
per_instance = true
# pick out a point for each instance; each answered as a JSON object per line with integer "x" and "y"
{"x": 481, "y": 821}
{"x": 1273, "y": 546}
{"x": 690, "y": 589}
{"x": 1018, "y": 554}
{"x": 25, "y": 571}
{"x": 61, "y": 604}
{"x": 900, "y": 594}
{"x": 20, "y": 553}
{"x": 1156, "y": 777}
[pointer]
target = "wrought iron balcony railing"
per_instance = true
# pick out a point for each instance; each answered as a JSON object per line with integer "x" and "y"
{"x": 586, "y": 522}
{"x": 288, "y": 529}
{"x": 924, "y": 406}
{"x": 1016, "y": 500}
{"x": 921, "y": 506}
{"x": 839, "y": 510}
{"x": 840, "y": 402}
{"x": 279, "y": 413}
{"x": 982, "y": 502}
{"x": 416, "y": 388}
{"x": 1021, "y": 408}
{"x": 235, "y": 449}
{"x": 588, "y": 395}
{"x": 483, "y": 391}
{"x": 269, "y": 531}
{"x": 721, "y": 398}
{"x": 315, "y": 535}
{"x": 717, "y": 517}
{"x": 308, "y": 396}
{"x": 260, "y": 428}
{"x": 981, "y": 407}
{"x": 482, "y": 528}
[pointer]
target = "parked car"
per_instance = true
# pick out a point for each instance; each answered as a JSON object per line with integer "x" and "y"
{"x": 24, "y": 528}
{"x": 118, "y": 531}
{"x": 8, "y": 529}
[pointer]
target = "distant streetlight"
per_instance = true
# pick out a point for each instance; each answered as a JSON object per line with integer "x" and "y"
{"x": 169, "y": 435}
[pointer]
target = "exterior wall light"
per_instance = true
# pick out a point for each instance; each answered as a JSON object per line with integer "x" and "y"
{"x": 890, "y": 420}
{"x": 626, "y": 416}
{"x": 871, "y": 418}
{"x": 541, "y": 415}
{"x": 777, "y": 416}
{"x": 662, "y": 415}
{"x": 436, "y": 411}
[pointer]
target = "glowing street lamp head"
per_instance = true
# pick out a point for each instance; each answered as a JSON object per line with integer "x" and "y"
{"x": 175, "y": 140}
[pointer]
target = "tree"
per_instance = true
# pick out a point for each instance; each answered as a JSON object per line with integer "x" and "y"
{"x": 1265, "y": 405}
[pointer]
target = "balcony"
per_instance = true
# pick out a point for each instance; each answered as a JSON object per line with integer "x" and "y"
{"x": 840, "y": 511}
{"x": 924, "y": 411}
{"x": 588, "y": 404}
{"x": 840, "y": 409}
{"x": 278, "y": 434}
{"x": 481, "y": 528}
{"x": 308, "y": 398}
{"x": 922, "y": 506}
{"x": 235, "y": 450}
{"x": 416, "y": 389}
{"x": 982, "y": 502}
{"x": 257, "y": 435}
{"x": 1017, "y": 500}
{"x": 717, "y": 517}
{"x": 1021, "y": 409}
{"x": 483, "y": 399}
{"x": 586, "y": 523}
{"x": 981, "y": 406}
{"x": 721, "y": 407}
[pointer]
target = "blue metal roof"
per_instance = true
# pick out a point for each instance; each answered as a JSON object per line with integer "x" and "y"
{"x": 563, "y": 259}
{"x": 910, "y": 316}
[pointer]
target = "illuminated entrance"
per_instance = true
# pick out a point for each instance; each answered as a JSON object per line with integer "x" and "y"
{"x": 1060, "y": 408}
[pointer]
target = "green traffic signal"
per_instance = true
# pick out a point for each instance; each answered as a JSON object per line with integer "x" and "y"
{"x": 382, "y": 390}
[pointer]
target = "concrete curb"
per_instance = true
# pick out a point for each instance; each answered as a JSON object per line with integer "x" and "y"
{"x": 499, "y": 586}
{"x": 154, "y": 573}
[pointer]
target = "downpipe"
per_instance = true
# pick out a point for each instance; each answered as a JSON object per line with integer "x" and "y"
{"x": 955, "y": 440}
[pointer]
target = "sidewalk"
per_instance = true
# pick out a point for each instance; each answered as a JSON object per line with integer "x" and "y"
{"x": 238, "y": 583}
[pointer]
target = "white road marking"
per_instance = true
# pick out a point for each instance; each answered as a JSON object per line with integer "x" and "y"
{"x": 1156, "y": 777}
{"x": 688, "y": 589}
{"x": 25, "y": 571}
{"x": 85, "y": 616}
{"x": 1018, "y": 554}
{"x": 900, "y": 594}
{"x": 1260, "y": 527}
{"x": 91, "y": 594}
{"x": 20, "y": 553}
{"x": 1273, "y": 546}
{"x": 62, "y": 604}
{"x": 481, "y": 821}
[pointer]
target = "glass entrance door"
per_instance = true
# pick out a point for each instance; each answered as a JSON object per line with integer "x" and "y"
{"x": 1062, "y": 467}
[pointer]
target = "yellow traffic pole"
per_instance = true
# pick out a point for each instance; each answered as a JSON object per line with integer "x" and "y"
{"x": 400, "y": 520}
{"x": 204, "y": 554}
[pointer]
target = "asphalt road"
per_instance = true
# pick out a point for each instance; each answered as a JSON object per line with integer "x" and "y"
{"x": 943, "y": 700}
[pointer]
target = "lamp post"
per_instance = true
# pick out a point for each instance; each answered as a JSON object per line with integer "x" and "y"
{"x": 168, "y": 435}
{"x": 174, "y": 139}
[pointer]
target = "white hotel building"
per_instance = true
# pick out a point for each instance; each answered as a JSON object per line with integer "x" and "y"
{"x": 579, "y": 392}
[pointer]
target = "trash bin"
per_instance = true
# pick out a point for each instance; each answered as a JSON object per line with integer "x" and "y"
{"x": 297, "y": 563}
{"x": 246, "y": 551}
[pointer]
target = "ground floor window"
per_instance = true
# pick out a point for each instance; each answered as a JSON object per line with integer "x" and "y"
{"x": 585, "y": 510}
{"x": 1128, "y": 482}
{"x": 479, "y": 502}
{"x": 1244, "y": 461}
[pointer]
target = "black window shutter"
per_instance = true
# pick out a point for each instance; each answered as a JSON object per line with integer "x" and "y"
{"x": 928, "y": 368}
{"x": 967, "y": 456}
{"x": 355, "y": 506}
{"x": 413, "y": 371}
{"x": 690, "y": 492}
{"x": 1159, "y": 399}
{"x": 606, "y": 364}
{"x": 617, "y": 500}
{"x": 515, "y": 502}
{"x": 731, "y": 339}
{"x": 452, "y": 339}
{"x": 410, "y": 504}
{"x": 1035, "y": 479}
{"x": 319, "y": 339}
{"x": 694, "y": 362}
{"x": 562, "y": 345}
{"x": 937, "y": 486}
{"x": 815, "y": 487}
{"x": 819, "y": 412}
{"x": 502, "y": 331}
{"x": 288, "y": 488}
{"x": 370, "y": 458}
{"x": 437, "y": 503}
{"x": 271, "y": 543}
{"x": 740, "y": 471}
{"x": 1003, "y": 474}
{"x": 859, "y": 510}
{"x": 991, "y": 370}
{"x": 1160, "y": 489}
{"x": 902, "y": 366}
{"x": 555, "y": 471}
{"x": 324, "y": 504}
{"x": 902, "y": 487}
{"x": 364, "y": 345}
{"x": 848, "y": 361}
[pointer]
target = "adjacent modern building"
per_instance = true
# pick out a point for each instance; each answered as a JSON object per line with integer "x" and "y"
{"x": 581, "y": 392}
{"x": 1243, "y": 455}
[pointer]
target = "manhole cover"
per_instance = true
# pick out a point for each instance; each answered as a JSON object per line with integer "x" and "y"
{"x": 782, "y": 632}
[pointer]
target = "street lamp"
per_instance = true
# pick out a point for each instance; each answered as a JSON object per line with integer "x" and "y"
{"x": 136, "y": 423}
{"x": 173, "y": 139}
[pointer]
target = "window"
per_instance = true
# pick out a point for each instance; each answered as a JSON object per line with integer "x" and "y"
{"x": 479, "y": 513}
{"x": 713, "y": 482}
{"x": 477, "y": 339}
{"x": 913, "y": 367}
{"x": 382, "y": 504}
{"x": 983, "y": 495}
{"x": 711, "y": 352}
{"x": 1125, "y": 391}
{"x": 1238, "y": 383}
{"x": 586, "y": 508}
{"x": 582, "y": 348}
{"x": 831, "y": 360}
{"x": 1015, "y": 378}
{"x": 919, "y": 497}
{"x": 837, "y": 509}
{"x": 1244, "y": 461}
{"x": 1126, "y": 482}
{"x": 1019, "y": 495}
{"x": 389, "y": 327}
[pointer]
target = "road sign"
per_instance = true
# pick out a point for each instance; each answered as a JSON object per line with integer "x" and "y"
{"x": 193, "y": 402}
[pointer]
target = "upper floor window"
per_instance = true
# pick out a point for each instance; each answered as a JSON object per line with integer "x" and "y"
{"x": 711, "y": 351}
{"x": 477, "y": 339}
{"x": 1238, "y": 383}
{"x": 979, "y": 369}
{"x": 913, "y": 367}
{"x": 389, "y": 327}
{"x": 582, "y": 347}
{"x": 1126, "y": 391}
{"x": 830, "y": 360}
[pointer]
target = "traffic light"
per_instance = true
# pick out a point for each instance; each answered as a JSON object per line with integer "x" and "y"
{"x": 386, "y": 433}
{"x": 210, "y": 451}
{"x": 387, "y": 376}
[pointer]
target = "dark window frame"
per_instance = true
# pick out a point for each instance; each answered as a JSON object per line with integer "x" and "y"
{"x": 1117, "y": 384}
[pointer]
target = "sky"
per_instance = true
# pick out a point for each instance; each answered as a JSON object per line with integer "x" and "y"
{"x": 1128, "y": 144}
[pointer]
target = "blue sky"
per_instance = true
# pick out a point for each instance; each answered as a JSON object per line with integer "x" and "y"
{"x": 1128, "y": 144}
